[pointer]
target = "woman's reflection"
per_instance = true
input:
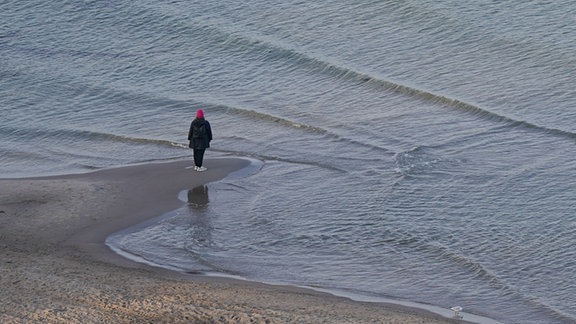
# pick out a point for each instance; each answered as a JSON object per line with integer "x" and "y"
{"x": 198, "y": 198}
{"x": 200, "y": 222}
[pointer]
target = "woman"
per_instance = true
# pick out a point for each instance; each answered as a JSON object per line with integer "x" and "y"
{"x": 200, "y": 135}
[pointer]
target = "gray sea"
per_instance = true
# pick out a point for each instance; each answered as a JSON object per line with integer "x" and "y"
{"x": 418, "y": 150}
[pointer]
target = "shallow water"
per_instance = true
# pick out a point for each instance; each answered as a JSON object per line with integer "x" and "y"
{"x": 418, "y": 150}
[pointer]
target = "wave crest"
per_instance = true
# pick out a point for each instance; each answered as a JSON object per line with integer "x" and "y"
{"x": 269, "y": 49}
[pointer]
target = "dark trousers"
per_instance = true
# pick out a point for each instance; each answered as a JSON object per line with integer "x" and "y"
{"x": 198, "y": 156}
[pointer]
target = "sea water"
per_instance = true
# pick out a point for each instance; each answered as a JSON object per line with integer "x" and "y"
{"x": 414, "y": 150}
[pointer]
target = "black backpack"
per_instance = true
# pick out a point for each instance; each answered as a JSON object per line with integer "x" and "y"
{"x": 198, "y": 130}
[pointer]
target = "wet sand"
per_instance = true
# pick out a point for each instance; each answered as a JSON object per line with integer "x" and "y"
{"x": 55, "y": 267}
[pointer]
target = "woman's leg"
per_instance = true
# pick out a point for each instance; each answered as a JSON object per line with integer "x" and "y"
{"x": 198, "y": 157}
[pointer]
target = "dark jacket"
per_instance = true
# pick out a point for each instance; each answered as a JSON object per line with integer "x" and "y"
{"x": 199, "y": 140}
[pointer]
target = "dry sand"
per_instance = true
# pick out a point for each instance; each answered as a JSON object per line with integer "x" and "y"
{"x": 55, "y": 268}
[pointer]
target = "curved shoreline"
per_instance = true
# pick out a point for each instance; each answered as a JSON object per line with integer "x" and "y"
{"x": 57, "y": 268}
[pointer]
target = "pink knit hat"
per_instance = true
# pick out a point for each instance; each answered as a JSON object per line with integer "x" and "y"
{"x": 199, "y": 113}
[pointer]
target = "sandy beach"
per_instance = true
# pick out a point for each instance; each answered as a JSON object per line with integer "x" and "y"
{"x": 56, "y": 269}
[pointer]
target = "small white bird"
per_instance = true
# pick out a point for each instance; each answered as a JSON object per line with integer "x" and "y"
{"x": 457, "y": 310}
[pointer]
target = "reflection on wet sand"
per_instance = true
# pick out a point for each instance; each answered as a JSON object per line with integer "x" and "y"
{"x": 200, "y": 220}
{"x": 198, "y": 197}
